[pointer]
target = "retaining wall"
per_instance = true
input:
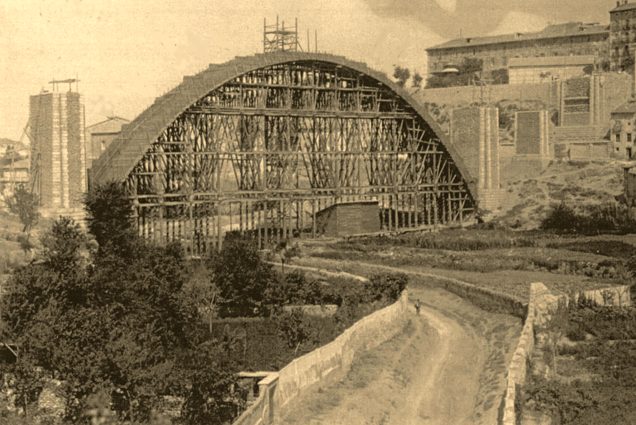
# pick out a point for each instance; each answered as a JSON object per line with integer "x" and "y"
{"x": 540, "y": 305}
{"x": 484, "y": 298}
{"x": 278, "y": 389}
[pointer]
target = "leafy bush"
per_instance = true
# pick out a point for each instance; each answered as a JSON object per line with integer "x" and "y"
{"x": 294, "y": 328}
{"x": 607, "y": 218}
{"x": 608, "y": 397}
{"x": 467, "y": 72}
{"x": 452, "y": 240}
{"x": 115, "y": 319}
{"x": 561, "y": 218}
{"x": 241, "y": 277}
{"x": 604, "y": 322}
{"x": 610, "y": 248}
{"x": 386, "y": 287}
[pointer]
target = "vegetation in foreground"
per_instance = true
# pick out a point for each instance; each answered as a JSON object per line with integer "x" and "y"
{"x": 125, "y": 326}
{"x": 592, "y": 374}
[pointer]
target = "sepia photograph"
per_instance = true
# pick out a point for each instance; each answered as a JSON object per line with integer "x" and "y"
{"x": 336, "y": 212}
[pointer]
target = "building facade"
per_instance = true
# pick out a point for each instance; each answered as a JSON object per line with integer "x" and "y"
{"x": 58, "y": 161}
{"x": 544, "y": 69}
{"x": 622, "y": 41}
{"x": 623, "y": 130}
{"x": 573, "y": 38}
{"x": 100, "y": 135}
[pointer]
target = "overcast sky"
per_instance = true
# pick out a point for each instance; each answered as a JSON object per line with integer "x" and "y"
{"x": 127, "y": 52}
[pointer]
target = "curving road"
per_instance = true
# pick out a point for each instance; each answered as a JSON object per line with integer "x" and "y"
{"x": 447, "y": 368}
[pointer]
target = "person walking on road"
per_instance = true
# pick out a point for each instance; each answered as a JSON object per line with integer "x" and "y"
{"x": 418, "y": 304}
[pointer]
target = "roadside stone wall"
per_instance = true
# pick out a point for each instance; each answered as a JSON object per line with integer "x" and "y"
{"x": 618, "y": 296}
{"x": 278, "y": 389}
{"x": 541, "y": 303}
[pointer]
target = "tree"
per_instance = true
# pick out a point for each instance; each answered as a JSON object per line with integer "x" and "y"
{"x": 241, "y": 277}
{"x": 416, "y": 82}
{"x": 471, "y": 66}
{"x": 24, "y": 204}
{"x": 554, "y": 329}
{"x": 401, "y": 75}
{"x": 293, "y": 328}
{"x": 286, "y": 251}
{"x": 201, "y": 288}
{"x": 62, "y": 246}
{"x": 212, "y": 395}
{"x": 467, "y": 71}
{"x": 500, "y": 76}
{"x": 109, "y": 211}
{"x": 28, "y": 383}
{"x": 119, "y": 324}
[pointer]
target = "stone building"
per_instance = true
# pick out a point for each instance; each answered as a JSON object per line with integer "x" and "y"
{"x": 548, "y": 68}
{"x": 622, "y": 40}
{"x": 629, "y": 184}
{"x": 58, "y": 160}
{"x": 573, "y": 38}
{"x": 99, "y": 136}
{"x": 623, "y": 130}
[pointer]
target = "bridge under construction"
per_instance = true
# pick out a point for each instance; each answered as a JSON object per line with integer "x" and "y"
{"x": 263, "y": 144}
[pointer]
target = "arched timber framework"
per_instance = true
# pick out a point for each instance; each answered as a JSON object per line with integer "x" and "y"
{"x": 261, "y": 144}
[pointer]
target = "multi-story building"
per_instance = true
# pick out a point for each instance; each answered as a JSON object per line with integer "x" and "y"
{"x": 623, "y": 130}
{"x": 549, "y": 68}
{"x": 569, "y": 39}
{"x": 622, "y": 36}
{"x": 58, "y": 160}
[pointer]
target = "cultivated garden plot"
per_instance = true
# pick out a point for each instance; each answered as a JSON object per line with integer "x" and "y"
{"x": 583, "y": 370}
{"x": 503, "y": 260}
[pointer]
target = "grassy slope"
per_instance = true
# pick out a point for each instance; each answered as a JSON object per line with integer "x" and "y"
{"x": 577, "y": 184}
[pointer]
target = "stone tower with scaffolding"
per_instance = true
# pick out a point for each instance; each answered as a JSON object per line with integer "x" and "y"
{"x": 58, "y": 161}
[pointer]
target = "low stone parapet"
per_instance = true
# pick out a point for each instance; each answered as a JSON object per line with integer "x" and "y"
{"x": 278, "y": 389}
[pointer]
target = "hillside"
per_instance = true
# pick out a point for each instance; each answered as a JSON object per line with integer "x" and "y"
{"x": 575, "y": 183}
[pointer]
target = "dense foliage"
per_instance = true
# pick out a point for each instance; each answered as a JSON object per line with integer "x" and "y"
{"x": 607, "y": 218}
{"x": 113, "y": 320}
{"x": 241, "y": 278}
{"x": 468, "y": 72}
{"x": 25, "y": 204}
{"x": 269, "y": 343}
{"x": 600, "y": 387}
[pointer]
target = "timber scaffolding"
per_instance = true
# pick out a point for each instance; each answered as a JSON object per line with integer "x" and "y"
{"x": 261, "y": 144}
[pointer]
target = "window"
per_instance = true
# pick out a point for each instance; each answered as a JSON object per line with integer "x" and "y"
{"x": 629, "y": 137}
{"x": 617, "y": 138}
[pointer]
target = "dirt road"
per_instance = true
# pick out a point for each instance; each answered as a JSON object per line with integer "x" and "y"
{"x": 447, "y": 368}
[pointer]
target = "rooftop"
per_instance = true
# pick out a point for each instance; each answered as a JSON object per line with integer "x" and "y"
{"x": 110, "y": 125}
{"x": 623, "y": 7}
{"x": 551, "y": 61}
{"x": 626, "y": 108}
{"x": 569, "y": 29}
{"x": 15, "y": 165}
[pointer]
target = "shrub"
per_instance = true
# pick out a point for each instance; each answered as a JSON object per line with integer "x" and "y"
{"x": 241, "y": 277}
{"x": 561, "y": 218}
{"x": 293, "y": 328}
{"x": 610, "y": 217}
{"x": 386, "y": 287}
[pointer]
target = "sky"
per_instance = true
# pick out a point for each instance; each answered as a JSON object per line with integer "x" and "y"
{"x": 127, "y": 52}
